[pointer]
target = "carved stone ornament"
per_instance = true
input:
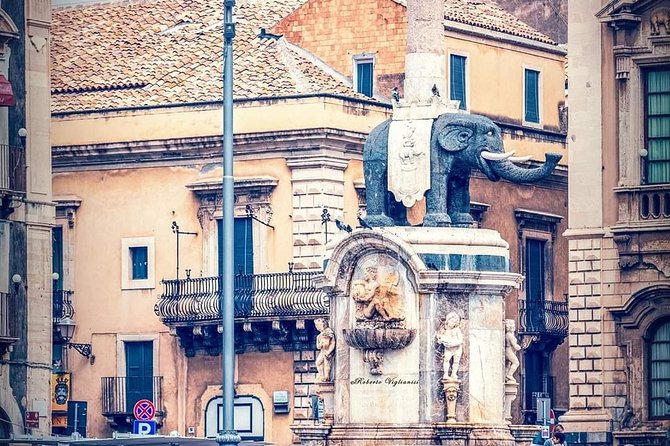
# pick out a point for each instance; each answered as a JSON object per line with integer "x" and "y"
{"x": 409, "y": 159}
{"x": 451, "y": 388}
{"x": 380, "y": 316}
{"x": 659, "y": 19}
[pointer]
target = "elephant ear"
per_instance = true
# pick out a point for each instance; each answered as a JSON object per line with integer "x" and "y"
{"x": 454, "y": 138}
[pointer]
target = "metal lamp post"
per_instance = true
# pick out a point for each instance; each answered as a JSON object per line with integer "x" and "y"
{"x": 228, "y": 435}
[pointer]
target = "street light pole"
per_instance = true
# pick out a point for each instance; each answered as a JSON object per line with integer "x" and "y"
{"x": 228, "y": 436}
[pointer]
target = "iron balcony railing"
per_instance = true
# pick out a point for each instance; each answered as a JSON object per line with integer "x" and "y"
{"x": 271, "y": 294}
{"x": 543, "y": 317}
{"x": 12, "y": 168}
{"x": 62, "y": 305}
{"x": 120, "y": 393}
{"x": 8, "y": 320}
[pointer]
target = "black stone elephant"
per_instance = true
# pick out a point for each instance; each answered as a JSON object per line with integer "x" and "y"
{"x": 459, "y": 143}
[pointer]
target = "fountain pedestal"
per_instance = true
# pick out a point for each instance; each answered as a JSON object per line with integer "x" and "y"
{"x": 418, "y": 317}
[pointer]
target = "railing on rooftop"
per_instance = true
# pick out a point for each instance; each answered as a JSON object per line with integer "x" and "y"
{"x": 543, "y": 317}
{"x": 270, "y": 294}
{"x": 12, "y": 168}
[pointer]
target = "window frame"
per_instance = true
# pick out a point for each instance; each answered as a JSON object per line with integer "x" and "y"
{"x": 644, "y": 168}
{"x": 466, "y": 77}
{"x": 359, "y": 59}
{"x": 539, "y": 97}
{"x": 127, "y": 282}
{"x": 647, "y": 363}
{"x": 215, "y": 405}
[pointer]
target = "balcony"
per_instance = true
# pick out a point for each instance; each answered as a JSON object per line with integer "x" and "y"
{"x": 643, "y": 207}
{"x": 8, "y": 321}
{"x": 120, "y": 393}
{"x": 12, "y": 175}
{"x": 62, "y": 305}
{"x": 270, "y": 309}
{"x": 544, "y": 324}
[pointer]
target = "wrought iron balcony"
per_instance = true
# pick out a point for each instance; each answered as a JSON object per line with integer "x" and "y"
{"x": 543, "y": 318}
{"x": 195, "y": 300}
{"x": 8, "y": 322}
{"x": 62, "y": 305}
{"x": 12, "y": 168}
{"x": 120, "y": 393}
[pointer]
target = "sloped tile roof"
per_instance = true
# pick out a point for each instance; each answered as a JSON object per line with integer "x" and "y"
{"x": 157, "y": 52}
{"x": 489, "y": 15}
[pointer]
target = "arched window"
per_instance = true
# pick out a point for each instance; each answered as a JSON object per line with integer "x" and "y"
{"x": 659, "y": 371}
{"x": 249, "y": 417}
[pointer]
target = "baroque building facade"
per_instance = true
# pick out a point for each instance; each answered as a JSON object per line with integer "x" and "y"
{"x": 619, "y": 234}
{"x": 136, "y": 141}
{"x": 26, "y": 219}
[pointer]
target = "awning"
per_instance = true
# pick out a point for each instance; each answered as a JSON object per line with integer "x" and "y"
{"x": 6, "y": 93}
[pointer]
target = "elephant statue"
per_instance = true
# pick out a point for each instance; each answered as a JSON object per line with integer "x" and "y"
{"x": 458, "y": 143}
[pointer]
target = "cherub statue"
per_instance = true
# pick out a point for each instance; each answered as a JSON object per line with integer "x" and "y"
{"x": 451, "y": 337}
{"x": 325, "y": 343}
{"x": 511, "y": 347}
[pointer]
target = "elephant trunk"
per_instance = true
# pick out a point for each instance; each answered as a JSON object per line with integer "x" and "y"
{"x": 509, "y": 171}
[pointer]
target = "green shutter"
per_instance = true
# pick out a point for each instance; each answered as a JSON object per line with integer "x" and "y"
{"x": 364, "y": 78}
{"x": 658, "y": 127}
{"x": 531, "y": 96}
{"x": 57, "y": 256}
{"x": 457, "y": 80}
{"x": 139, "y": 259}
{"x": 244, "y": 246}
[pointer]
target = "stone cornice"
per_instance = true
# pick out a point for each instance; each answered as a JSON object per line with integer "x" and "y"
{"x": 292, "y": 144}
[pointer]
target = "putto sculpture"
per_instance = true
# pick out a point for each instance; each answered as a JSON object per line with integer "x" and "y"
{"x": 325, "y": 344}
{"x": 450, "y": 337}
{"x": 511, "y": 348}
{"x": 377, "y": 301}
{"x": 458, "y": 143}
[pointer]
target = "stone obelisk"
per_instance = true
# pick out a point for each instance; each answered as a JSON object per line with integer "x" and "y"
{"x": 425, "y": 63}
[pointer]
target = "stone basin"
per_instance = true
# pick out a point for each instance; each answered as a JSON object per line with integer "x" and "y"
{"x": 378, "y": 338}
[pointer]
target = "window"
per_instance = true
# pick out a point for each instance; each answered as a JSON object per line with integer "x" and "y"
{"x": 137, "y": 263}
{"x": 364, "y": 74}
{"x": 248, "y": 417}
{"x": 457, "y": 85}
{"x": 531, "y": 96}
{"x": 657, "y": 166}
{"x": 243, "y": 254}
{"x": 659, "y": 370}
{"x": 138, "y": 259}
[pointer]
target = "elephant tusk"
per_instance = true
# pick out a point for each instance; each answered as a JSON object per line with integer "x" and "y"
{"x": 496, "y": 156}
{"x": 520, "y": 159}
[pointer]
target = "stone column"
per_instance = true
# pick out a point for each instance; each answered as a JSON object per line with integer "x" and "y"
{"x": 425, "y": 62}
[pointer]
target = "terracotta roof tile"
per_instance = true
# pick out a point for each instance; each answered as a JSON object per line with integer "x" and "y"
{"x": 489, "y": 15}
{"x": 157, "y": 52}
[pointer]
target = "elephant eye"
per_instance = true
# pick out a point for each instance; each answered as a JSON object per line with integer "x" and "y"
{"x": 489, "y": 133}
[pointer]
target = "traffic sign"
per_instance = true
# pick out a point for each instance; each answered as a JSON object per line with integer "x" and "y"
{"x": 144, "y": 410}
{"x": 144, "y": 427}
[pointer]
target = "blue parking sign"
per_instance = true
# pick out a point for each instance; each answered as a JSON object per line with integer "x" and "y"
{"x": 144, "y": 427}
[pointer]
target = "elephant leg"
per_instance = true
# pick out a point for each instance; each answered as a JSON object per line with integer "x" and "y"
{"x": 376, "y": 193}
{"x": 436, "y": 198}
{"x": 458, "y": 203}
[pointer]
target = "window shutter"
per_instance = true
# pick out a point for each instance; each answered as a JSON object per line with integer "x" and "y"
{"x": 457, "y": 80}
{"x": 658, "y": 127}
{"x": 532, "y": 106}
{"x": 244, "y": 246}
{"x": 139, "y": 258}
{"x": 364, "y": 73}
{"x": 659, "y": 370}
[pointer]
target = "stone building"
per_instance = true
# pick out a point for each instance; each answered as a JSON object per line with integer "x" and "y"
{"x": 136, "y": 141}
{"x": 26, "y": 218}
{"x": 620, "y": 232}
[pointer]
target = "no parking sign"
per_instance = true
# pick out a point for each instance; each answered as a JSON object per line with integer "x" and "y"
{"x": 144, "y": 410}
